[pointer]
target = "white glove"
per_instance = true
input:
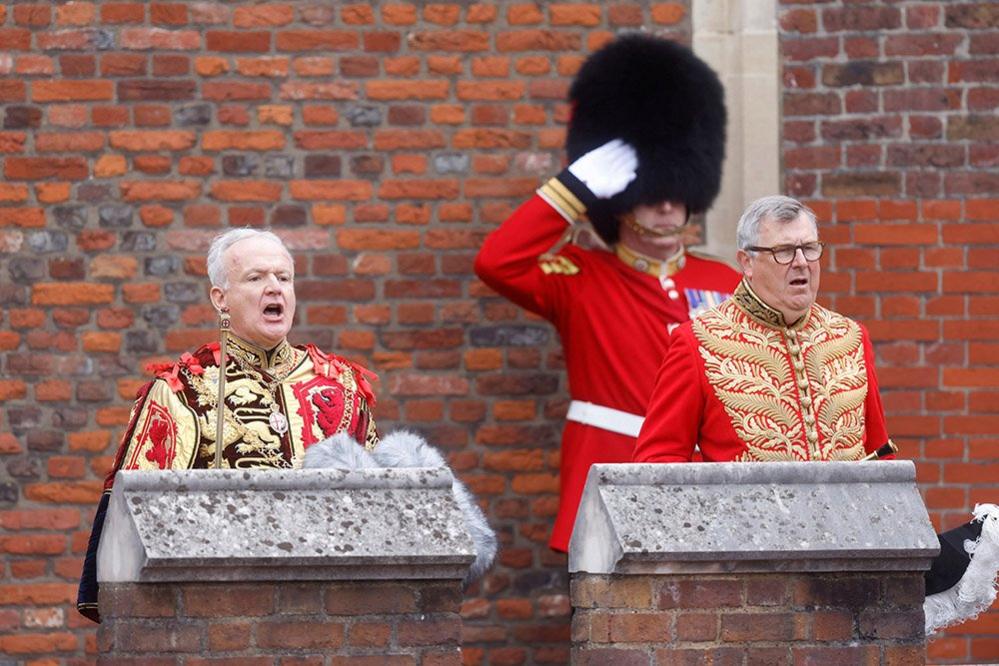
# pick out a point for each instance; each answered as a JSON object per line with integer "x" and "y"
{"x": 607, "y": 170}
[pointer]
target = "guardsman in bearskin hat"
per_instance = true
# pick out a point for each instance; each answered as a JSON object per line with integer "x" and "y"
{"x": 645, "y": 147}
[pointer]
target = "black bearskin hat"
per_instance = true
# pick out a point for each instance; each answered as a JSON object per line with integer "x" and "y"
{"x": 669, "y": 105}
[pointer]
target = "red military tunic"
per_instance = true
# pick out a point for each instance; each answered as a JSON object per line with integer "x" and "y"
{"x": 743, "y": 386}
{"x": 614, "y": 322}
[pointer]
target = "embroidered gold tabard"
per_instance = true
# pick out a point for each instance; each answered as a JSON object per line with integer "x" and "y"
{"x": 176, "y": 425}
{"x": 792, "y": 392}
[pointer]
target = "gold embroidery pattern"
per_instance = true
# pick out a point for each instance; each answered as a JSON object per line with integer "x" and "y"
{"x": 791, "y": 393}
{"x": 246, "y": 424}
{"x": 838, "y": 373}
{"x": 249, "y": 396}
{"x": 756, "y": 308}
{"x": 746, "y": 368}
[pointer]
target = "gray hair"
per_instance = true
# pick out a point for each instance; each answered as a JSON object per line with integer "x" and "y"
{"x": 776, "y": 207}
{"x": 216, "y": 253}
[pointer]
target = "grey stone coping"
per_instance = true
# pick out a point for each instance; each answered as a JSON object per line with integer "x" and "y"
{"x": 314, "y": 524}
{"x": 762, "y": 517}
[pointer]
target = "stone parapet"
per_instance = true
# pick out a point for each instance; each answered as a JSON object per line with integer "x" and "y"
{"x": 750, "y": 563}
{"x": 310, "y": 524}
{"x": 782, "y": 516}
{"x": 259, "y": 567}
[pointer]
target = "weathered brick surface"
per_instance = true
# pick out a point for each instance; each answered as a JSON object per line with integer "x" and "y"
{"x": 383, "y": 141}
{"x": 699, "y": 623}
{"x": 240, "y": 623}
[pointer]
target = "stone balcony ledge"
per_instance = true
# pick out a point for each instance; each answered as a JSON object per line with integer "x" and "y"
{"x": 752, "y": 517}
{"x": 253, "y": 525}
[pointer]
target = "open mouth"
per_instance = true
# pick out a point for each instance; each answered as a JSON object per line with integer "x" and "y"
{"x": 799, "y": 282}
{"x": 274, "y": 310}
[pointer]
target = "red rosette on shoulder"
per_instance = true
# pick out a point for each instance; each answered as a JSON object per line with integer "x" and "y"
{"x": 170, "y": 372}
{"x": 330, "y": 365}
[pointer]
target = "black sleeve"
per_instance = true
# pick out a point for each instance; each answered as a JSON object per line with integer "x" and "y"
{"x": 86, "y": 598}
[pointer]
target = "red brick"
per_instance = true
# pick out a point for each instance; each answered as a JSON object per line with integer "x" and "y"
{"x": 399, "y": 14}
{"x": 29, "y": 643}
{"x": 71, "y": 293}
{"x": 76, "y": 492}
{"x": 429, "y": 631}
{"x": 45, "y": 519}
{"x": 399, "y": 90}
{"x": 938, "y": 44}
{"x": 264, "y": 16}
{"x": 668, "y": 13}
{"x": 22, "y": 217}
{"x": 33, "y": 544}
{"x": 236, "y": 600}
{"x": 357, "y": 15}
{"x": 346, "y": 599}
{"x": 242, "y": 190}
{"x": 95, "y": 441}
{"x": 331, "y": 190}
{"x": 685, "y": 593}
{"x": 330, "y": 139}
{"x": 31, "y": 15}
{"x": 70, "y": 91}
{"x": 37, "y": 168}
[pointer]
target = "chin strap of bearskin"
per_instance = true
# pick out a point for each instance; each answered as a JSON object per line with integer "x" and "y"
{"x": 407, "y": 449}
{"x": 976, "y": 590}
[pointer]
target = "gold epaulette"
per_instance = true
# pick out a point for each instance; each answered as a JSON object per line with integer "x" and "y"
{"x": 556, "y": 264}
{"x": 563, "y": 200}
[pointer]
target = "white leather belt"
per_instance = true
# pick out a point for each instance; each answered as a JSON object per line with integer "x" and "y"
{"x": 605, "y": 418}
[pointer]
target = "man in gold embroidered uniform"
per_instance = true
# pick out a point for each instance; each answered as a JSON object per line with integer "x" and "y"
{"x": 769, "y": 374}
{"x": 279, "y": 398}
{"x": 646, "y": 142}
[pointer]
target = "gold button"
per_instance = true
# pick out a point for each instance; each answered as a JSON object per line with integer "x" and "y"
{"x": 798, "y": 365}
{"x": 793, "y": 334}
{"x": 812, "y": 436}
{"x": 806, "y": 401}
{"x": 809, "y": 419}
{"x": 803, "y": 384}
{"x": 673, "y": 294}
{"x": 667, "y": 283}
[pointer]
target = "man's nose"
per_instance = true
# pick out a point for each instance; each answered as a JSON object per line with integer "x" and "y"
{"x": 272, "y": 283}
{"x": 799, "y": 257}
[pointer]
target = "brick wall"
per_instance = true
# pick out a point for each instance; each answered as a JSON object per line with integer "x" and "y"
{"x": 890, "y": 130}
{"x": 773, "y": 619}
{"x": 383, "y": 140}
{"x": 409, "y": 623}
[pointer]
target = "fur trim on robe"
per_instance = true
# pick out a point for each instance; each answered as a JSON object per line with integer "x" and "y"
{"x": 406, "y": 449}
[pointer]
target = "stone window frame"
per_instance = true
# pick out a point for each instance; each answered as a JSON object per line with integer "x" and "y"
{"x": 739, "y": 39}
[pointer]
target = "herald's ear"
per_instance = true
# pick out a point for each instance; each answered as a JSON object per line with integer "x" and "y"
{"x": 745, "y": 262}
{"x": 218, "y": 299}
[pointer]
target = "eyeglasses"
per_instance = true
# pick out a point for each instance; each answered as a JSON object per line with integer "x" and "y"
{"x": 784, "y": 254}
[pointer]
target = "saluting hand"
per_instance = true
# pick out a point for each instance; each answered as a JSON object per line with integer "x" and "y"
{"x": 607, "y": 170}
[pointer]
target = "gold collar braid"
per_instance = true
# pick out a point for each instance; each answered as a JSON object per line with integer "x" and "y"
{"x": 258, "y": 357}
{"x": 646, "y": 264}
{"x": 750, "y": 303}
